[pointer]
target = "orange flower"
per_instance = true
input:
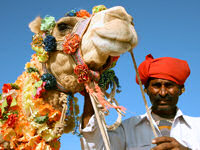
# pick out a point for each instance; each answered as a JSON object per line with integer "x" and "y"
{"x": 82, "y": 13}
{"x": 71, "y": 43}
{"x": 45, "y": 109}
{"x": 8, "y": 133}
{"x": 82, "y": 71}
{"x": 54, "y": 115}
{"x": 24, "y": 128}
{"x": 11, "y": 120}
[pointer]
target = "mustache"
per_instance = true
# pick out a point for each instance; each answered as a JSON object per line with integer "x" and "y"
{"x": 168, "y": 97}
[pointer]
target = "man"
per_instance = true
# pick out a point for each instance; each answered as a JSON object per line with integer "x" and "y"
{"x": 164, "y": 80}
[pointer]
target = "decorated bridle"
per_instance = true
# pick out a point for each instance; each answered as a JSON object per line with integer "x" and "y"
{"x": 70, "y": 46}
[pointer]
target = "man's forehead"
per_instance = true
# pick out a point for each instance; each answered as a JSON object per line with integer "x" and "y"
{"x": 159, "y": 80}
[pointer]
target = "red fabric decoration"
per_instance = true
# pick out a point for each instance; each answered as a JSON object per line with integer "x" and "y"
{"x": 6, "y": 88}
{"x": 9, "y": 100}
{"x": 115, "y": 58}
{"x": 1, "y": 114}
{"x": 71, "y": 43}
{"x": 168, "y": 68}
{"x": 82, "y": 71}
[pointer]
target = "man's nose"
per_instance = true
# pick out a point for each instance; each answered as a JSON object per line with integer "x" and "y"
{"x": 163, "y": 91}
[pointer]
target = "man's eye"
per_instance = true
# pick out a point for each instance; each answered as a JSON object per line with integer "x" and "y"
{"x": 169, "y": 85}
{"x": 157, "y": 85}
{"x": 63, "y": 26}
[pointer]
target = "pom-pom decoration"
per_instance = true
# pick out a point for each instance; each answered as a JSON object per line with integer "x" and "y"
{"x": 50, "y": 43}
{"x": 82, "y": 13}
{"x": 41, "y": 54}
{"x": 48, "y": 23}
{"x": 71, "y": 13}
{"x": 82, "y": 71}
{"x": 108, "y": 78}
{"x": 71, "y": 43}
{"x": 38, "y": 47}
{"x": 98, "y": 8}
{"x": 6, "y": 88}
{"x": 50, "y": 81}
{"x": 37, "y": 40}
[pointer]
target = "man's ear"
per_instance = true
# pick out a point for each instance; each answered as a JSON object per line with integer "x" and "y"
{"x": 182, "y": 90}
{"x": 146, "y": 91}
{"x": 35, "y": 25}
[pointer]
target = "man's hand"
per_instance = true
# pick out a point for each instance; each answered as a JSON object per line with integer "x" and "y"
{"x": 167, "y": 143}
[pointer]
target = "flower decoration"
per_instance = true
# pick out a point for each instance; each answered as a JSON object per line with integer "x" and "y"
{"x": 43, "y": 57}
{"x": 24, "y": 131}
{"x": 14, "y": 86}
{"x": 11, "y": 120}
{"x": 50, "y": 81}
{"x": 41, "y": 119}
{"x": 48, "y": 23}
{"x": 99, "y": 8}
{"x": 71, "y": 43}
{"x": 6, "y": 88}
{"x": 39, "y": 89}
{"x": 31, "y": 69}
{"x": 41, "y": 54}
{"x": 50, "y": 43}
{"x": 82, "y": 13}
{"x": 71, "y": 13}
{"x": 37, "y": 40}
{"x": 82, "y": 71}
{"x": 38, "y": 47}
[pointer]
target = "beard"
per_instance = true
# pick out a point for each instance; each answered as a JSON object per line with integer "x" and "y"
{"x": 167, "y": 109}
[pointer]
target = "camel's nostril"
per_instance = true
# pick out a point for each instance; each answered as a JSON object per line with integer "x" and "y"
{"x": 117, "y": 13}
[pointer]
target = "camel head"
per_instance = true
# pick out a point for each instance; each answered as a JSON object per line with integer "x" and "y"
{"x": 108, "y": 33}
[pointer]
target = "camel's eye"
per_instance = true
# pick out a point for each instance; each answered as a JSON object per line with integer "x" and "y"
{"x": 63, "y": 26}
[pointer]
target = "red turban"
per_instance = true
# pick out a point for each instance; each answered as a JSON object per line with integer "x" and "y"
{"x": 168, "y": 68}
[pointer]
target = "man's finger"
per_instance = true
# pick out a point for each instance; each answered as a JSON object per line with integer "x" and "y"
{"x": 162, "y": 139}
{"x": 163, "y": 146}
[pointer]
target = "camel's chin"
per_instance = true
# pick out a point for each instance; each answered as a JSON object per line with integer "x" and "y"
{"x": 109, "y": 46}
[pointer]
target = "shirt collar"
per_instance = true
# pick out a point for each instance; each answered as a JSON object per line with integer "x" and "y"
{"x": 179, "y": 115}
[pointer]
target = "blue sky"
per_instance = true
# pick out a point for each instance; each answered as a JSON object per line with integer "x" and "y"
{"x": 165, "y": 28}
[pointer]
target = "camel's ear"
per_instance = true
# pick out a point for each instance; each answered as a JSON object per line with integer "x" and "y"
{"x": 35, "y": 25}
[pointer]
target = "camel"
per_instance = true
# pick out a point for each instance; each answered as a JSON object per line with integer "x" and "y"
{"x": 71, "y": 56}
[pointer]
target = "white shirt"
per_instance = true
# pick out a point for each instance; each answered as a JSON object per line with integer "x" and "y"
{"x": 135, "y": 133}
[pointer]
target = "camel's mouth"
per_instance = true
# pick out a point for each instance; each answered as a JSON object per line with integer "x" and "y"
{"x": 115, "y": 37}
{"x": 113, "y": 46}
